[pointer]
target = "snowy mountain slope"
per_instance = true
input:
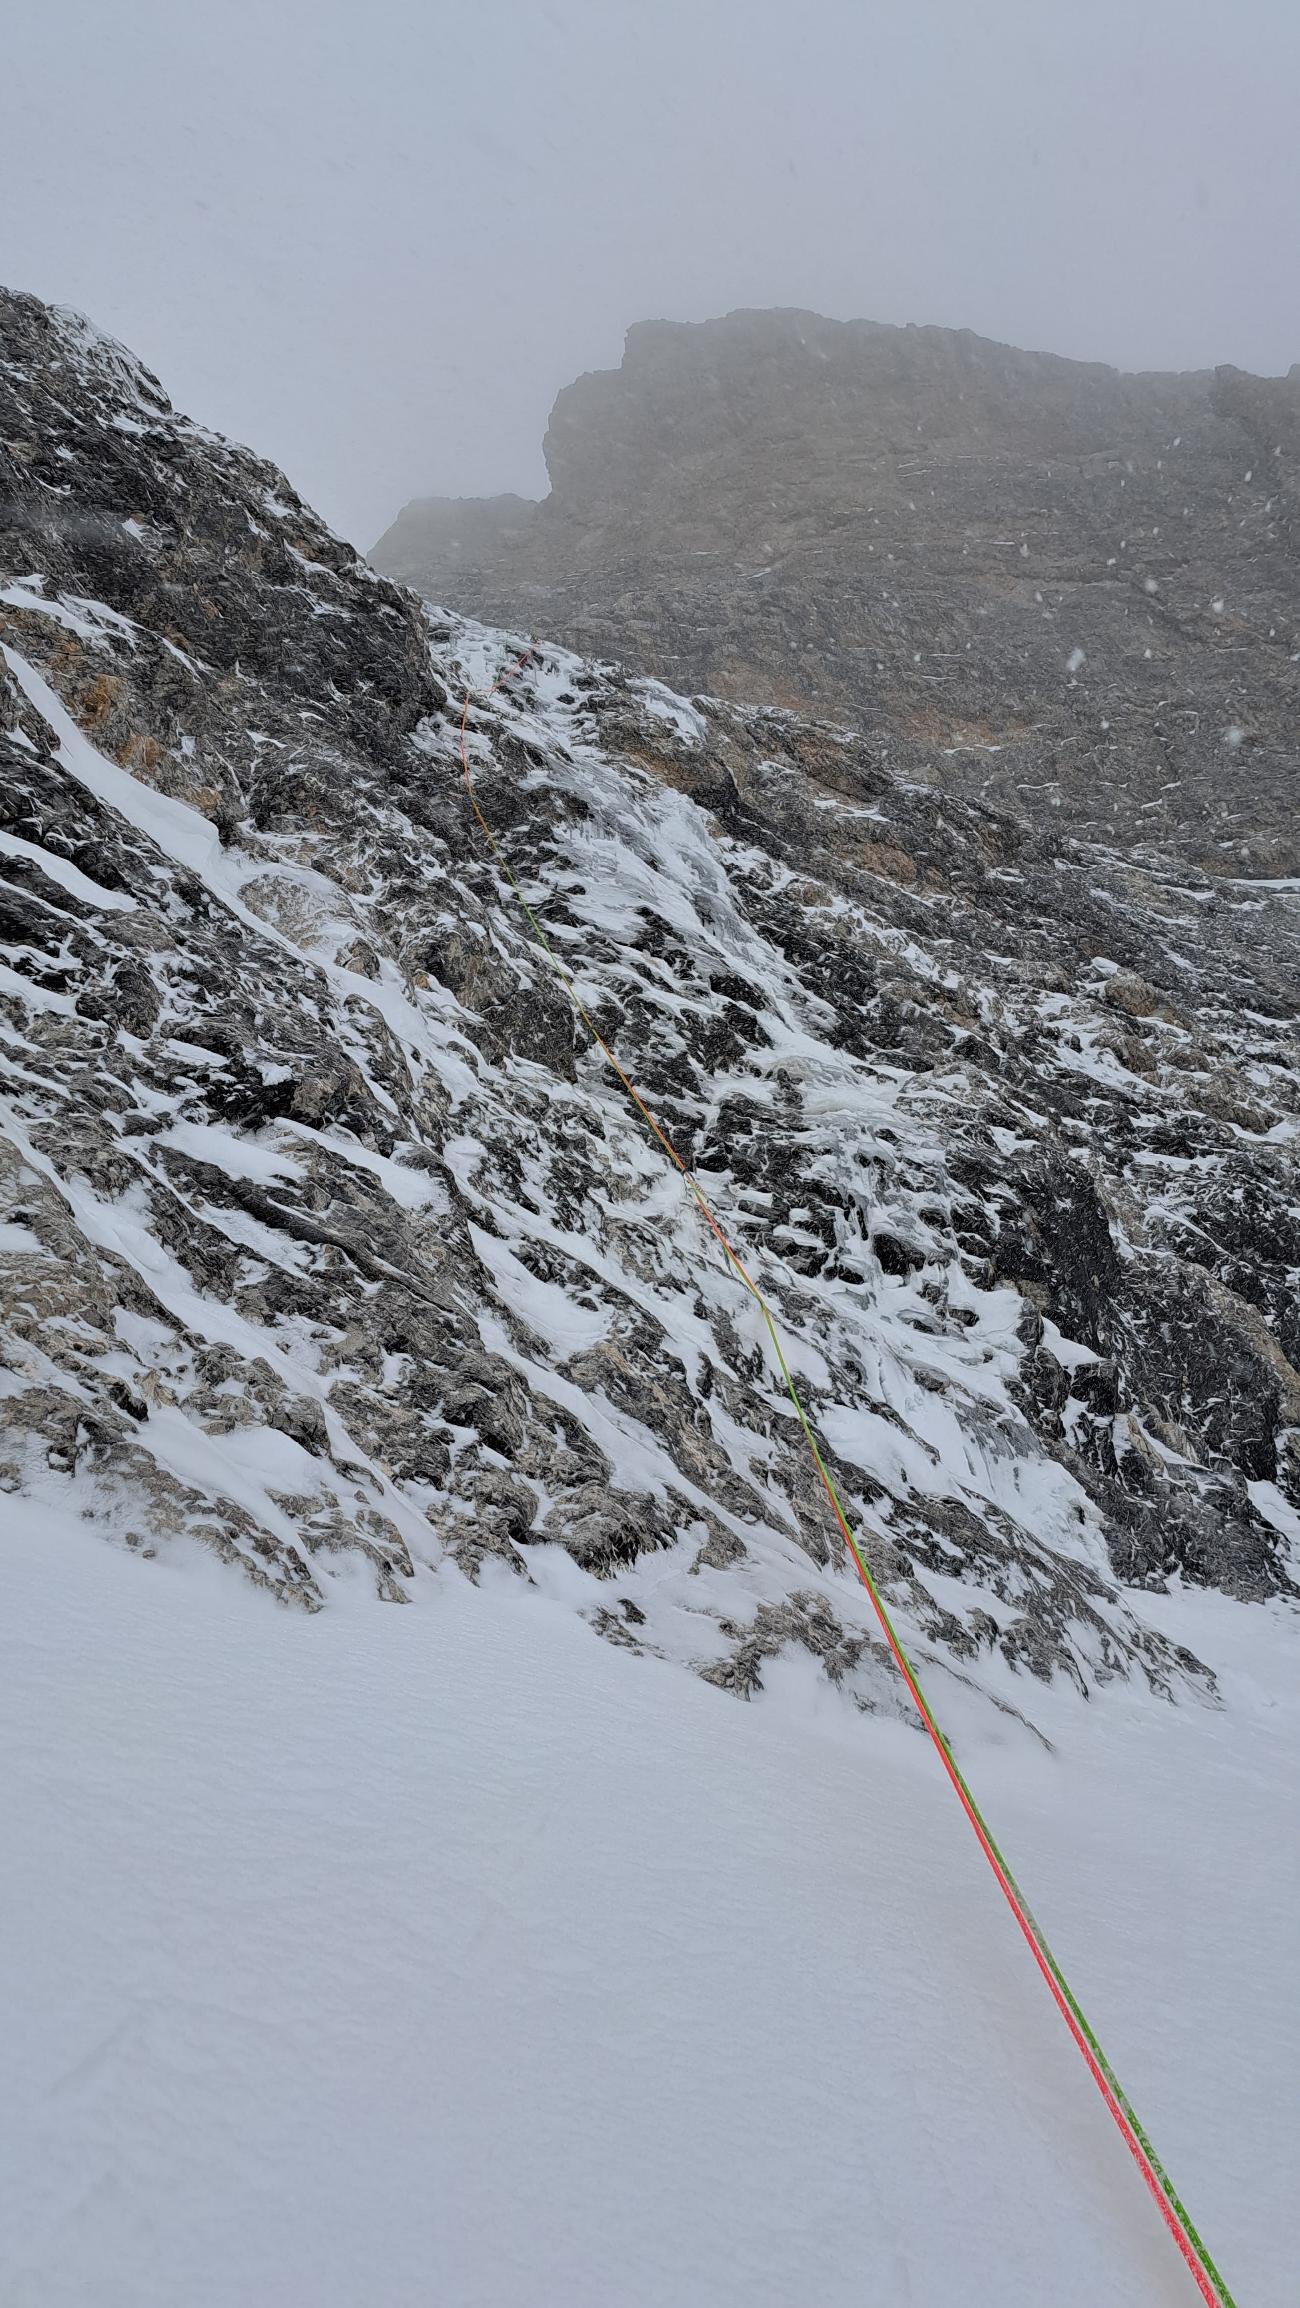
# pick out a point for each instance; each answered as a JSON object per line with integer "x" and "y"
{"x": 327, "y": 1237}
{"x": 448, "y": 1955}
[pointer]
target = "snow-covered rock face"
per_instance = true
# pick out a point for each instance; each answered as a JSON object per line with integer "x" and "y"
{"x": 326, "y": 1237}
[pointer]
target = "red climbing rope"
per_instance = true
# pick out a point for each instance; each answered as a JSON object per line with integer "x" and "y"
{"x": 1173, "y": 2212}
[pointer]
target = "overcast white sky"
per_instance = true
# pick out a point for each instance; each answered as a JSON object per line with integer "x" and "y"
{"x": 373, "y": 237}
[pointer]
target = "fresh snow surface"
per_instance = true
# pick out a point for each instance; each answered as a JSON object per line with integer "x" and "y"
{"x": 69, "y": 877}
{"x": 450, "y": 1955}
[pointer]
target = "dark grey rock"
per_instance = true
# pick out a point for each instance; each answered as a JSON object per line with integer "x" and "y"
{"x": 1034, "y": 581}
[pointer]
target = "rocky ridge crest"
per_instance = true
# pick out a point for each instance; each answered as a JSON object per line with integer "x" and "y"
{"x": 1037, "y": 582}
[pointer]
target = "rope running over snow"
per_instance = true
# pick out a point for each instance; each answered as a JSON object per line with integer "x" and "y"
{"x": 1173, "y": 2212}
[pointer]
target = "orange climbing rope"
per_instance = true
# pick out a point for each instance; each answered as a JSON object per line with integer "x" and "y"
{"x": 1173, "y": 2212}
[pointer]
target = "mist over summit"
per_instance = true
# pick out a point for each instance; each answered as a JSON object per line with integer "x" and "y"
{"x": 1039, "y": 582}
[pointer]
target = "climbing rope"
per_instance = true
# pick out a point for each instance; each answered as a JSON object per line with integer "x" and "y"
{"x": 1173, "y": 2211}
